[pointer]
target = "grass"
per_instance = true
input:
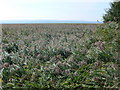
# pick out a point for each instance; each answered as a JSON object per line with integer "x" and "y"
{"x": 60, "y": 56}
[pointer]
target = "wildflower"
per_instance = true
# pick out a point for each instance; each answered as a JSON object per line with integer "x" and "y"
{"x": 56, "y": 58}
{"x": 70, "y": 59}
{"x": 75, "y": 73}
{"x": 97, "y": 79}
{"x": 68, "y": 71}
{"x": 114, "y": 66}
{"x": 5, "y": 65}
{"x": 81, "y": 63}
{"x": 57, "y": 70}
{"x": 84, "y": 51}
{"x": 99, "y": 44}
{"x": 16, "y": 67}
{"x": 1, "y": 67}
{"x": 97, "y": 64}
{"x": 59, "y": 64}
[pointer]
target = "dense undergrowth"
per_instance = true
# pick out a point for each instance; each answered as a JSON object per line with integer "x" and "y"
{"x": 63, "y": 57}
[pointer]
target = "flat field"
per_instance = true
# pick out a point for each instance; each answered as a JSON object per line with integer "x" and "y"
{"x": 59, "y": 56}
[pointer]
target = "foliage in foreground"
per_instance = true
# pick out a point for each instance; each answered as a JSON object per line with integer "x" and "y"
{"x": 61, "y": 59}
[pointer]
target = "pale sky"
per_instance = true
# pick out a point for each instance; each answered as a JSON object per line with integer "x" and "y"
{"x": 87, "y": 10}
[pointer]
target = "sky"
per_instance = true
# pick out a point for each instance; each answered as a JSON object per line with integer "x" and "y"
{"x": 85, "y": 10}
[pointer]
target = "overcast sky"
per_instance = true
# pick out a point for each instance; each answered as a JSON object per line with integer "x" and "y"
{"x": 87, "y": 10}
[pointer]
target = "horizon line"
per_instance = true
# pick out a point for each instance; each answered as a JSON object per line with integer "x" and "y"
{"x": 48, "y": 21}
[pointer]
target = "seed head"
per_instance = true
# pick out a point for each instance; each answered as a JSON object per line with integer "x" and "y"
{"x": 5, "y": 65}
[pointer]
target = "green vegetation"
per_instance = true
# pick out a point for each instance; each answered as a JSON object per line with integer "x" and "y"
{"x": 61, "y": 56}
{"x": 113, "y": 13}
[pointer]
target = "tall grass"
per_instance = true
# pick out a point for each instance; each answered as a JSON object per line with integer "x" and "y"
{"x": 60, "y": 56}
